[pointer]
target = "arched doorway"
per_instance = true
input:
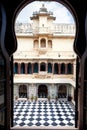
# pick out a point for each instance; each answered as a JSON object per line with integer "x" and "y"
{"x": 62, "y": 91}
{"x": 22, "y": 91}
{"x": 42, "y": 91}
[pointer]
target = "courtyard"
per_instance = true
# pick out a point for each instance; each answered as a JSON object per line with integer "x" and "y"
{"x": 43, "y": 113}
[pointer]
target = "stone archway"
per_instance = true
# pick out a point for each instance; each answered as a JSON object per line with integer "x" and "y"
{"x": 22, "y": 91}
{"x": 42, "y": 91}
{"x": 62, "y": 91}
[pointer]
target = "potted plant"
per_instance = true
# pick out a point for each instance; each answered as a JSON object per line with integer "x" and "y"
{"x": 69, "y": 98}
{"x": 32, "y": 98}
{"x": 35, "y": 98}
{"x": 16, "y": 98}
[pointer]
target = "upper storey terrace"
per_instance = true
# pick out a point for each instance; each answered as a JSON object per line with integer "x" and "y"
{"x": 44, "y": 22}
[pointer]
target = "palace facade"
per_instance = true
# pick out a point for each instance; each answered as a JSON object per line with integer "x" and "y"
{"x": 45, "y": 62}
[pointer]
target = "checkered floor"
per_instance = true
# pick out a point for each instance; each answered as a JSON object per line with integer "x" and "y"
{"x": 43, "y": 113}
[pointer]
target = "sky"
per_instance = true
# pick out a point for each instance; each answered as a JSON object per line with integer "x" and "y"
{"x": 61, "y": 13}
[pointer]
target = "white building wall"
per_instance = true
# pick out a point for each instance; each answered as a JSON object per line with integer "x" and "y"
{"x": 62, "y": 37}
{"x": 43, "y": 21}
{"x": 62, "y": 44}
{"x": 24, "y": 44}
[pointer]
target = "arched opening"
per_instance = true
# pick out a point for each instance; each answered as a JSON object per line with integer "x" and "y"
{"x": 72, "y": 5}
{"x": 62, "y": 68}
{"x": 42, "y": 91}
{"x": 36, "y": 45}
{"x": 15, "y": 68}
{"x": 43, "y": 43}
{"x": 22, "y": 91}
{"x": 29, "y": 68}
{"x": 49, "y": 43}
{"x": 22, "y": 68}
{"x": 49, "y": 68}
{"x": 35, "y": 67}
{"x": 69, "y": 68}
{"x": 62, "y": 91}
{"x": 42, "y": 60}
{"x": 55, "y": 68}
{"x": 42, "y": 67}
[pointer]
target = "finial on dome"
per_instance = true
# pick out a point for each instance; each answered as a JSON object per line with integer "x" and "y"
{"x": 43, "y": 9}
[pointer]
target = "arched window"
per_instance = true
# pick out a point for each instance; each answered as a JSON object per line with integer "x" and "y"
{"x": 42, "y": 91}
{"x": 22, "y": 68}
{"x": 56, "y": 68}
{"x": 74, "y": 7}
{"x": 62, "y": 91}
{"x": 42, "y": 66}
{"x": 43, "y": 43}
{"x": 15, "y": 68}
{"x": 62, "y": 68}
{"x": 36, "y": 45}
{"x": 22, "y": 91}
{"x": 49, "y": 43}
{"x": 35, "y": 67}
{"x": 29, "y": 69}
{"x": 49, "y": 68}
{"x": 69, "y": 68}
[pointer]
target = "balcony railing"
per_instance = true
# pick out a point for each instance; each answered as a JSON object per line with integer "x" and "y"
{"x": 48, "y": 54}
{"x": 25, "y": 28}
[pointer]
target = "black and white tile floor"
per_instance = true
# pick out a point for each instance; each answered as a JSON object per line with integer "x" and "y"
{"x": 43, "y": 113}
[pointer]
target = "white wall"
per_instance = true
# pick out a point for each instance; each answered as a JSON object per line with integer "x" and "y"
{"x": 25, "y": 44}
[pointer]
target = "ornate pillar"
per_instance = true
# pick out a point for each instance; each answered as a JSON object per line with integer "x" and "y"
{"x": 65, "y": 68}
{"x": 38, "y": 67}
{"x": 26, "y": 65}
{"x": 53, "y": 68}
{"x": 46, "y": 66}
{"x": 59, "y": 68}
{"x": 32, "y": 68}
{"x": 19, "y": 68}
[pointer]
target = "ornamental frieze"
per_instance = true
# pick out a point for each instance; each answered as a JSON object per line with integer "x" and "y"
{"x": 41, "y": 76}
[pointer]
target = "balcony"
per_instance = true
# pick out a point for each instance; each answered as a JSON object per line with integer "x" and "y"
{"x": 56, "y": 29}
{"x": 35, "y": 53}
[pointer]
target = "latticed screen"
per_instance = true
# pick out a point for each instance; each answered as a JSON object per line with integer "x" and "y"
{"x": 2, "y": 85}
{"x": 85, "y": 95}
{"x": 2, "y": 91}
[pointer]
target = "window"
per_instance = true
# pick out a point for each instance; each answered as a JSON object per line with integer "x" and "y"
{"x": 55, "y": 68}
{"x": 49, "y": 68}
{"x": 36, "y": 44}
{"x": 22, "y": 68}
{"x": 45, "y": 61}
{"x": 43, "y": 43}
{"x": 69, "y": 68}
{"x": 29, "y": 69}
{"x": 78, "y": 47}
{"x": 15, "y": 68}
{"x": 42, "y": 67}
{"x": 49, "y": 44}
{"x": 22, "y": 91}
{"x": 63, "y": 68}
{"x": 35, "y": 67}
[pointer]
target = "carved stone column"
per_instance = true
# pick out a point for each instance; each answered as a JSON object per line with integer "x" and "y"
{"x": 19, "y": 68}
{"x": 65, "y": 68}
{"x": 59, "y": 68}
{"x": 26, "y": 65}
